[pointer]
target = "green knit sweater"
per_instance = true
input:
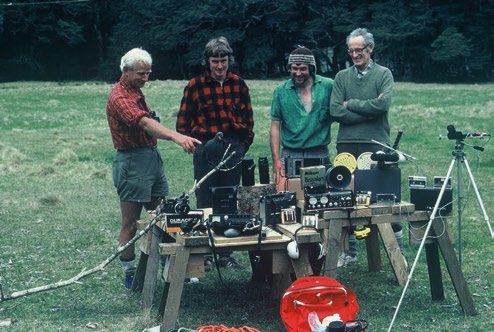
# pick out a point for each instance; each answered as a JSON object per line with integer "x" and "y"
{"x": 366, "y": 116}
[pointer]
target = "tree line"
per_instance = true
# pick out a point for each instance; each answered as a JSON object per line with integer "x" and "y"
{"x": 419, "y": 40}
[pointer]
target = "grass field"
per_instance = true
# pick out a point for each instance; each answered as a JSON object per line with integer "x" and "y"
{"x": 59, "y": 212}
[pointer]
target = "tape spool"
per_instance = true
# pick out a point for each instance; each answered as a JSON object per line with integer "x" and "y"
{"x": 346, "y": 159}
{"x": 364, "y": 161}
{"x": 338, "y": 177}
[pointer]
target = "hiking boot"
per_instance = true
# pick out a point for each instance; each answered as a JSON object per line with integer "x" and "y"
{"x": 231, "y": 262}
{"x": 192, "y": 280}
{"x": 128, "y": 280}
{"x": 346, "y": 259}
{"x": 208, "y": 264}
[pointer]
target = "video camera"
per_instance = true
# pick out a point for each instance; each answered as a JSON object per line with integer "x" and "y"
{"x": 178, "y": 205}
{"x": 458, "y": 135}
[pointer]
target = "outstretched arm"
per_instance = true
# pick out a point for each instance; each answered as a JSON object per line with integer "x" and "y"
{"x": 156, "y": 129}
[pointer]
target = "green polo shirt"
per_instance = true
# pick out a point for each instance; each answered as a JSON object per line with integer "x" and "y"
{"x": 300, "y": 129}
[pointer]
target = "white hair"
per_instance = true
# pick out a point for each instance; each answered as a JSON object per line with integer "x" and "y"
{"x": 133, "y": 56}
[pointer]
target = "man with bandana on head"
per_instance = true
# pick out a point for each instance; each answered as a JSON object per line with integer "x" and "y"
{"x": 300, "y": 120}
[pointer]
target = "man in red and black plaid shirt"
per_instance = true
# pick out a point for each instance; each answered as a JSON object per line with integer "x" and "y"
{"x": 137, "y": 167}
{"x": 217, "y": 101}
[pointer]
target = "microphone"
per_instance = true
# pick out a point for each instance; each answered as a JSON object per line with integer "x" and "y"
{"x": 397, "y": 140}
{"x": 381, "y": 157}
{"x": 477, "y": 135}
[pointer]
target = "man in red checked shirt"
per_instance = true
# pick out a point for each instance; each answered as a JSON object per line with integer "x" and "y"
{"x": 138, "y": 172}
{"x": 217, "y": 101}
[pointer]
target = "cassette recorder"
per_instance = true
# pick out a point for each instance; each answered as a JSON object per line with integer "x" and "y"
{"x": 324, "y": 199}
{"x": 244, "y": 223}
{"x": 271, "y": 206}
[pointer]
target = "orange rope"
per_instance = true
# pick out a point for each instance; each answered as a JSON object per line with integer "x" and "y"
{"x": 223, "y": 328}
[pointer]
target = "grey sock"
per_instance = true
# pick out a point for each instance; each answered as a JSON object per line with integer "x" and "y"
{"x": 399, "y": 239}
{"x": 128, "y": 267}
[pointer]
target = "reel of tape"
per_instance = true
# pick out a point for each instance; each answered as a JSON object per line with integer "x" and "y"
{"x": 364, "y": 161}
{"x": 345, "y": 159}
{"x": 338, "y": 177}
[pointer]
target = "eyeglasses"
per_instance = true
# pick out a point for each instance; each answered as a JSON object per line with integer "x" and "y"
{"x": 357, "y": 50}
{"x": 143, "y": 73}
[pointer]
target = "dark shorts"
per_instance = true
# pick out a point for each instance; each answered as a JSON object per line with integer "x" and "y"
{"x": 139, "y": 175}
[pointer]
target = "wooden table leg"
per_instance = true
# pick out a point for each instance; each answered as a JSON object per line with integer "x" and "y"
{"x": 373, "y": 254}
{"x": 434, "y": 269}
{"x": 393, "y": 252}
{"x": 282, "y": 267}
{"x": 151, "y": 269}
{"x": 334, "y": 247}
{"x": 140, "y": 275}
{"x": 174, "y": 289}
{"x": 280, "y": 282}
{"x": 454, "y": 269}
{"x": 301, "y": 266}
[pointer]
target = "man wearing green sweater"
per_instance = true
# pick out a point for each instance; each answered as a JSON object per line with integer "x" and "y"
{"x": 360, "y": 102}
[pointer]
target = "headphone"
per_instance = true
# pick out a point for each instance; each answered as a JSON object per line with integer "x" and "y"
{"x": 292, "y": 247}
{"x": 294, "y": 252}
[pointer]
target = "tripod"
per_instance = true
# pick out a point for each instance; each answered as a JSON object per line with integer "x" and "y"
{"x": 459, "y": 158}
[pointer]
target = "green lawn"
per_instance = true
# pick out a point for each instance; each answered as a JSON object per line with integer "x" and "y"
{"x": 59, "y": 212}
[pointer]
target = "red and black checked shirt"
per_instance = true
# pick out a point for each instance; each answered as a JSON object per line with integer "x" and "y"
{"x": 208, "y": 107}
{"x": 124, "y": 109}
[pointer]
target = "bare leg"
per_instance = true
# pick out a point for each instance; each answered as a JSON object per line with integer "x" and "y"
{"x": 131, "y": 212}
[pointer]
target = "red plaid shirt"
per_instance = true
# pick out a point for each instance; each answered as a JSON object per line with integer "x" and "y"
{"x": 208, "y": 107}
{"x": 124, "y": 109}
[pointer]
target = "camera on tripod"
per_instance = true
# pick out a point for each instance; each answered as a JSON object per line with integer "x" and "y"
{"x": 458, "y": 135}
{"x": 178, "y": 205}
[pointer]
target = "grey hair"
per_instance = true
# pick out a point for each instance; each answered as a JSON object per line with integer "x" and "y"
{"x": 218, "y": 47}
{"x": 134, "y": 56}
{"x": 368, "y": 37}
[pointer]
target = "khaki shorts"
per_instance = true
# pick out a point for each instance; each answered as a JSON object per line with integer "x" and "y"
{"x": 139, "y": 175}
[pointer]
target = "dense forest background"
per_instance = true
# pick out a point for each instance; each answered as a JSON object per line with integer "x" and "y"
{"x": 419, "y": 40}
